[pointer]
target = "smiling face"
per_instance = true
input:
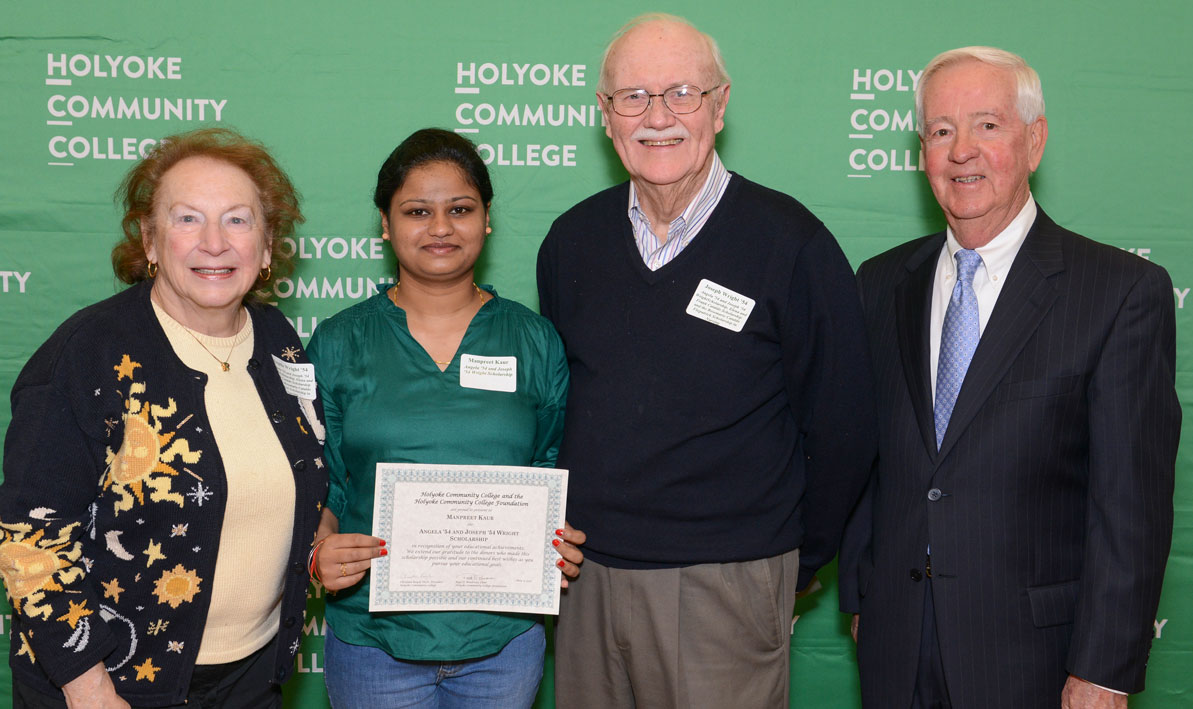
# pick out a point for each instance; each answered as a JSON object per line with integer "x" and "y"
{"x": 663, "y": 151}
{"x": 209, "y": 243}
{"x": 436, "y": 224}
{"x": 978, "y": 152}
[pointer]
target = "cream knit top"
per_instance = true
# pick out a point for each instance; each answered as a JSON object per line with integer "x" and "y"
{"x": 259, "y": 515}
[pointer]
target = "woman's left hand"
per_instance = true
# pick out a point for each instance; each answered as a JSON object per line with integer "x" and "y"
{"x": 567, "y": 543}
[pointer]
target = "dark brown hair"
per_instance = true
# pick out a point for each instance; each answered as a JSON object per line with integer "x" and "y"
{"x": 279, "y": 200}
{"x": 426, "y": 146}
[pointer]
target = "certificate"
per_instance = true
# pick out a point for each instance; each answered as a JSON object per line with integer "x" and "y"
{"x": 467, "y": 537}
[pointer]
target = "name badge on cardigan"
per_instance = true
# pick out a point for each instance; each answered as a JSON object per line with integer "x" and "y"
{"x": 720, "y": 306}
{"x": 299, "y": 379}
{"x": 489, "y": 373}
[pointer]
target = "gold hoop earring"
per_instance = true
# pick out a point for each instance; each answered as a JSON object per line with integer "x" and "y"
{"x": 266, "y": 273}
{"x": 151, "y": 269}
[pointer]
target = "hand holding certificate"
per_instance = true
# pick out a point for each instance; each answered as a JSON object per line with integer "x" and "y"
{"x": 467, "y": 538}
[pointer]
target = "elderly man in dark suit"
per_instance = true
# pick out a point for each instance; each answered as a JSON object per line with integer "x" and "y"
{"x": 1010, "y": 550}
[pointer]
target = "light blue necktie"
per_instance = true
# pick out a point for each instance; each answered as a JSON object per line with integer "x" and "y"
{"x": 958, "y": 339}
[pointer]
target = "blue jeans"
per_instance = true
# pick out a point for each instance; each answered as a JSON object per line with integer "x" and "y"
{"x": 361, "y": 677}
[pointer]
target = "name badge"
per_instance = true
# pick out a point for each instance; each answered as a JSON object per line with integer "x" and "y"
{"x": 489, "y": 373}
{"x": 720, "y": 306}
{"x": 299, "y": 379}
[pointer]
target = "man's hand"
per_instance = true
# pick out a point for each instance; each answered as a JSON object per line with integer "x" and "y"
{"x": 93, "y": 690}
{"x": 1079, "y": 694}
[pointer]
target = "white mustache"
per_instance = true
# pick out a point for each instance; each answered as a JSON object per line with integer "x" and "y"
{"x": 677, "y": 131}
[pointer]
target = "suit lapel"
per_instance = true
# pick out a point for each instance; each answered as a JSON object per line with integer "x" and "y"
{"x": 1022, "y": 304}
{"x": 913, "y": 305}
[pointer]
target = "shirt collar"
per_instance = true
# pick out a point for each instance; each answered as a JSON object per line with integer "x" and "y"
{"x": 702, "y": 204}
{"x": 999, "y": 253}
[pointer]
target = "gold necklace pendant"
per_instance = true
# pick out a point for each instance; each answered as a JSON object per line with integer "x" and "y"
{"x": 393, "y": 293}
{"x": 224, "y": 363}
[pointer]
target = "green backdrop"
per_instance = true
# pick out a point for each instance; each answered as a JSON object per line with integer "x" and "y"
{"x": 821, "y": 108}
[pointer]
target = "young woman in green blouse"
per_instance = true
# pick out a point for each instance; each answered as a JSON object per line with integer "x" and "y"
{"x": 388, "y": 370}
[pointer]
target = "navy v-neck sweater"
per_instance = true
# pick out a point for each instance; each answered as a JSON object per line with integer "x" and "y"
{"x": 688, "y": 442}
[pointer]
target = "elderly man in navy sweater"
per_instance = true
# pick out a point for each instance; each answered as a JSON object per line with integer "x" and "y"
{"x": 720, "y": 423}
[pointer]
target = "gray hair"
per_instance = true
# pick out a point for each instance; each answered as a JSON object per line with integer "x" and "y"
{"x": 1029, "y": 94}
{"x": 714, "y": 51}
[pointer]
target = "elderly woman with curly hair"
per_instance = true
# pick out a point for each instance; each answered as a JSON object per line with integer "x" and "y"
{"x": 163, "y": 476}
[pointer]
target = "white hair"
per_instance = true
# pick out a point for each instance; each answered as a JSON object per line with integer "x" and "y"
{"x": 722, "y": 75}
{"x": 1029, "y": 94}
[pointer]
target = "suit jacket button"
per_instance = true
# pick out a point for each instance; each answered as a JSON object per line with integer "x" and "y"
{"x": 254, "y": 364}
{"x": 934, "y": 494}
{"x": 916, "y": 575}
{"x": 277, "y": 417}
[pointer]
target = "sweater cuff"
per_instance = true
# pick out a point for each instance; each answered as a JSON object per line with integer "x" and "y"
{"x": 805, "y": 577}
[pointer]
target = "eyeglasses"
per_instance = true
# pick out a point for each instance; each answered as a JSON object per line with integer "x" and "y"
{"x": 677, "y": 99}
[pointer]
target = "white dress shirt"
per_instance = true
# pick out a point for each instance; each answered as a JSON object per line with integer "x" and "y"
{"x": 997, "y": 256}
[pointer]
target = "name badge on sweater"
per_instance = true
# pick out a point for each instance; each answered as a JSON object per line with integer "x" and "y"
{"x": 720, "y": 306}
{"x": 489, "y": 373}
{"x": 299, "y": 379}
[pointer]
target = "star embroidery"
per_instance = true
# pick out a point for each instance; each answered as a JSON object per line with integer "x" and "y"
{"x": 319, "y": 463}
{"x": 97, "y": 392}
{"x": 146, "y": 670}
{"x": 294, "y": 647}
{"x": 290, "y": 353}
{"x": 112, "y": 589}
{"x": 77, "y": 611}
{"x": 125, "y": 368}
{"x": 140, "y": 521}
{"x": 198, "y": 429}
{"x": 154, "y": 552}
{"x": 199, "y": 494}
{"x": 26, "y": 649}
{"x": 196, "y": 549}
{"x": 179, "y": 530}
{"x": 174, "y": 646}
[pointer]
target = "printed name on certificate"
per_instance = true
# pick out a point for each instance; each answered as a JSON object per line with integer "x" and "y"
{"x": 467, "y": 538}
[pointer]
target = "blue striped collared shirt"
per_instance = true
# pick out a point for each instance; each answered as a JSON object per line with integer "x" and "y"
{"x": 685, "y": 227}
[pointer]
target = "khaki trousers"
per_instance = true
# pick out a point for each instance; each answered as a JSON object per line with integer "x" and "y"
{"x": 710, "y": 635}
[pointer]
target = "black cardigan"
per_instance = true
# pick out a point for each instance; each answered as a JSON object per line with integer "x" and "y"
{"x": 115, "y": 562}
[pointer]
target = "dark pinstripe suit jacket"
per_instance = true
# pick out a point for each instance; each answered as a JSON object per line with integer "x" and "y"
{"x": 1049, "y": 505}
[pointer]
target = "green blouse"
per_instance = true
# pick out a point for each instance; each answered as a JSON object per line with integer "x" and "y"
{"x": 386, "y": 401}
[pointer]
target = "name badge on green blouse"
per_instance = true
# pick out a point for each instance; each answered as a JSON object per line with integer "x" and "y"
{"x": 489, "y": 373}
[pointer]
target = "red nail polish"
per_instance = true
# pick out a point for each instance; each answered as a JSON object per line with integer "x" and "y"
{"x": 559, "y": 532}
{"x": 555, "y": 542}
{"x": 559, "y": 563}
{"x": 385, "y": 552}
{"x": 382, "y": 542}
